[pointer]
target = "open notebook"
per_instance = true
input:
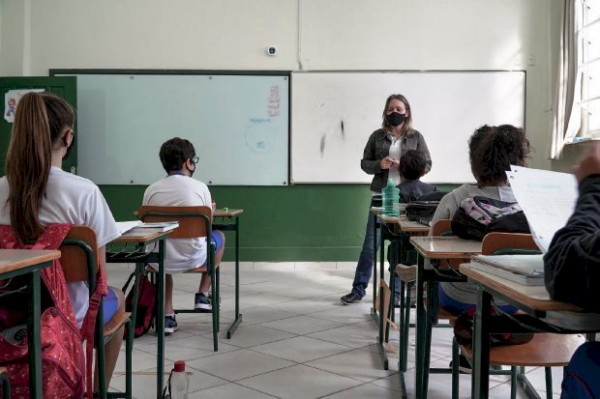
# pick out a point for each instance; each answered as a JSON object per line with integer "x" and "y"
{"x": 158, "y": 227}
{"x": 523, "y": 269}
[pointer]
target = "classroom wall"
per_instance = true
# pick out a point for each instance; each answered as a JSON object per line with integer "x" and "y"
{"x": 309, "y": 222}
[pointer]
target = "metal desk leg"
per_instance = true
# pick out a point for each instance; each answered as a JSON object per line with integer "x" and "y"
{"x": 421, "y": 329}
{"x": 481, "y": 345}
{"x": 34, "y": 339}
{"x": 238, "y": 316}
{"x": 160, "y": 318}
{"x": 376, "y": 230}
{"x": 382, "y": 311}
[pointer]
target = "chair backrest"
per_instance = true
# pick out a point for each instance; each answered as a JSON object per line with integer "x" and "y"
{"x": 512, "y": 242}
{"x": 79, "y": 255}
{"x": 441, "y": 226}
{"x": 194, "y": 221}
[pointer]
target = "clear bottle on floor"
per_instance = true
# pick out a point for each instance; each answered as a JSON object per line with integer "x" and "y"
{"x": 390, "y": 197}
{"x": 179, "y": 381}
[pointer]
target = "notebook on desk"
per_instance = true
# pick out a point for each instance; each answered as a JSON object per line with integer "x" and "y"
{"x": 156, "y": 227}
{"x": 523, "y": 269}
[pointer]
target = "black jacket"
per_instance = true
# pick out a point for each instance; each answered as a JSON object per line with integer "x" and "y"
{"x": 378, "y": 147}
{"x": 572, "y": 264}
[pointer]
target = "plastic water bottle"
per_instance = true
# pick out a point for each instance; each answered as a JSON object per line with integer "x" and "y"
{"x": 390, "y": 197}
{"x": 179, "y": 381}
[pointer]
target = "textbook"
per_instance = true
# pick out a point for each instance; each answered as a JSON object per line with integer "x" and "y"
{"x": 523, "y": 269}
{"x": 157, "y": 227}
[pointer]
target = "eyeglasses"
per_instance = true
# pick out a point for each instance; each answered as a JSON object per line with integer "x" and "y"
{"x": 195, "y": 160}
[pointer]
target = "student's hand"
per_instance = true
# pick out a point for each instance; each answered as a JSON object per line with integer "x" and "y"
{"x": 386, "y": 162}
{"x": 395, "y": 163}
{"x": 589, "y": 164}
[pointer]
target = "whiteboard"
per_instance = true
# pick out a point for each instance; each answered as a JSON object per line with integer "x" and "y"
{"x": 239, "y": 126}
{"x": 335, "y": 112}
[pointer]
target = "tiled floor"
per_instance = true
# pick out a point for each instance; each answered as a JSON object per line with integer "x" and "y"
{"x": 296, "y": 341}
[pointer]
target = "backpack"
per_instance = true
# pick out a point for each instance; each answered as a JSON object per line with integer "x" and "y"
{"x": 63, "y": 360}
{"x": 478, "y": 216}
{"x": 423, "y": 209}
{"x": 146, "y": 306}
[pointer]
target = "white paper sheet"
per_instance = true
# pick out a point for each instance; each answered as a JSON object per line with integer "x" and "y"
{"x": 547, "y": 198}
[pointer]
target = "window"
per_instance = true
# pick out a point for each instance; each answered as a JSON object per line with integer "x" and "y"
{"x": 588, "y": 41}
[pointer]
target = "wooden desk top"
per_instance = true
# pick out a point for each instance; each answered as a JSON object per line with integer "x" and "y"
{"x": 405, "y": 225}
{"x": 15, "y": 259}
{"x": 534, "y": 297}
{"x": 227, "y": 213}
{"x": 141, "y": 236}
{"x": 441, "y": 247}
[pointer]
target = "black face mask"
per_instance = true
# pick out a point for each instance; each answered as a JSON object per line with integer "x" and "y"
{"x": 69, "y": 148}
{"x": 395, "y": 118}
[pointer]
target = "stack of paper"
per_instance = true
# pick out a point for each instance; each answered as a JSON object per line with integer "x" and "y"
{"x": 523, "y": 269}
{"x": 547, "y": 198}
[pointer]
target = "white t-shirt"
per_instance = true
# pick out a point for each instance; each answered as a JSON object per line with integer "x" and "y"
{"x": 75, "y": 200}
{"x": 178, "y": 190}
{"x": 396, "y": 153}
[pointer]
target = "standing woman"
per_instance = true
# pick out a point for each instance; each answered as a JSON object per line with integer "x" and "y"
{"x": 36, "y": 192}
{"x": 381, "y": 159}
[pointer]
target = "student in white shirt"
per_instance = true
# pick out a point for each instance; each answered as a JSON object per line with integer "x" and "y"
{"x": 178, "y": 188}
{"x": 36, "y": 192}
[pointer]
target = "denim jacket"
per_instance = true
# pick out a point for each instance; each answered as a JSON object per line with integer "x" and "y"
{"x": 378, "y": 147}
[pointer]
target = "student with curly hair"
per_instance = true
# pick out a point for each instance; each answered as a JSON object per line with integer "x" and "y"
{"x": 492, "y": 149}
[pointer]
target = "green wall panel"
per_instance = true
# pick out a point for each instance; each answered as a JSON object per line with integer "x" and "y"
{"x": 296, "y": 223}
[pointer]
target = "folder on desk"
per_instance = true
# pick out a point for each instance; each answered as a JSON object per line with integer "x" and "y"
{"x": 523, "y": 269}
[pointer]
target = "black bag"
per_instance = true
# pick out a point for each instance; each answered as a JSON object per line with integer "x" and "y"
{"x": 478, "y": 216}
{"x": 424, "y": 207}
{"x": 146, "y": 306}
{"x": 421, "y": 211}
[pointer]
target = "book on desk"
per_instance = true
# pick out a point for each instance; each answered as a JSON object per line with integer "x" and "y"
{"x": 155, "y": 227}
{"x": 522, "y": 269}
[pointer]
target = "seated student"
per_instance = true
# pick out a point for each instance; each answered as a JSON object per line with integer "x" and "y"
{"x": 178, "y": 158}
{"x": 492, "y": 149}
{"x": 413, "y": 165}
{"x": 572, "y": 273}
{"x": 36, "y": 192}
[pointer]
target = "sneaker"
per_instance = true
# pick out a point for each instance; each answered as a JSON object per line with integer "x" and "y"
{"x": 170, "y": 325}
{"x": 210, "y": 299}
{"x": 202, "y": 302}
{"x": 350, "y": 298}
{"x": 463, "y": 365}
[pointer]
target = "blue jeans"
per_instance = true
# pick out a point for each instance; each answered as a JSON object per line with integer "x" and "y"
{"x": 364, "y": 267}
{"x": 581, "y": 377}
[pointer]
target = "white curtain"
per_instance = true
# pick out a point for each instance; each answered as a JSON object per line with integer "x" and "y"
{"x": 567, "y": 114}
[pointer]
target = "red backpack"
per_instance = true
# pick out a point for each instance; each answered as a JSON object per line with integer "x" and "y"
{"x": 63, "y": 362}
{"x": 146, "y": 306}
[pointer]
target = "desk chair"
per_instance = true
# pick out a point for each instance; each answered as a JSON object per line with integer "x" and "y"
{"x": 5, "y": 383}
{"x": 80, "y": 248}
{"x": 536, "y": 352}
{"x": 194, "y": 222}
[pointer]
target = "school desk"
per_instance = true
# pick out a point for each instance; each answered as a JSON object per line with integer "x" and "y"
{"x": 229, "y": 221}
{"x": 18, "y": 262}
{"x": 540, "y": 313}
{"x": 134, "y": 251}
{"x": 390, "y": 228}
{"x": 435, "y": 249}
